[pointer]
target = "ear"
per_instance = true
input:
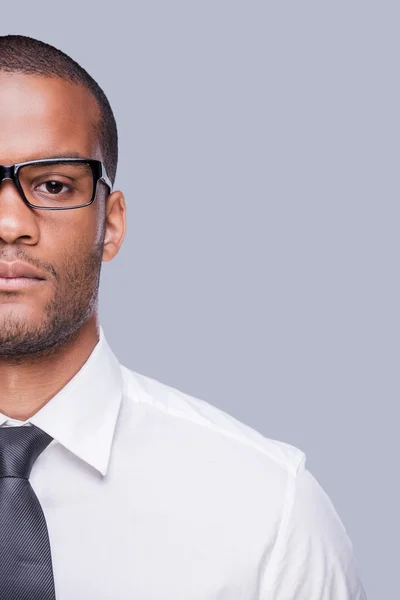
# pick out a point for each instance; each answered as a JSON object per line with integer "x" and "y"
{"x": 115, "y": 226}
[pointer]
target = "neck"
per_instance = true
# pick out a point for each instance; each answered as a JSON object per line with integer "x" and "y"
{"x": 27, "y": 386}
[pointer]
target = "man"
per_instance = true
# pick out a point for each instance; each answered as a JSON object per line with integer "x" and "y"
{"x": 113, "y": 485}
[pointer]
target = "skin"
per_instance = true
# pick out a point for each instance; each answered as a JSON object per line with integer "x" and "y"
{"x": 48, "y": 331}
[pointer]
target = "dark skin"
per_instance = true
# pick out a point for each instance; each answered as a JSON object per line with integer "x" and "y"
{"x": 47, "y": 332}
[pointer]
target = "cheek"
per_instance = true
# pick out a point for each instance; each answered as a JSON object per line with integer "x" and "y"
{"x": 68, "y": 247}
{"x": 70, "y": 232}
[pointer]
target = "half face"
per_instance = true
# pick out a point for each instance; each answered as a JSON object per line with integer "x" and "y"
{"x": 44, "y": 117}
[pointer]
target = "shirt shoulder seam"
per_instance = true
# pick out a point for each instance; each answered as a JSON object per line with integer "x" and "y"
{"x": 291, "y": 467}
{"x": 279, "y": 547}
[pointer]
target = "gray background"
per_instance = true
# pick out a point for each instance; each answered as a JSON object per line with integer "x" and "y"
{"x": 259, "y": 147}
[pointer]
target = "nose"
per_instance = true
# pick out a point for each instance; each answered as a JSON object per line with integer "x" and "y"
{"x": 18, "y": 223}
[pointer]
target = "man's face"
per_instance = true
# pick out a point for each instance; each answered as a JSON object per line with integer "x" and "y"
{"x": 43, "y": 117}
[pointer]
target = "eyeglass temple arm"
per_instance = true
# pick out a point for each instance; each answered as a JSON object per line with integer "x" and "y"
{"x": 106, "y": 178}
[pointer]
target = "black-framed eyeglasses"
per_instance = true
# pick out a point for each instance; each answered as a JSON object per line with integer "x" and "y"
{"x": 57, "y": 184}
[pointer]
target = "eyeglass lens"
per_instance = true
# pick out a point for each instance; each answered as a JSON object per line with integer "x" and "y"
{"x": 57, "y": 184}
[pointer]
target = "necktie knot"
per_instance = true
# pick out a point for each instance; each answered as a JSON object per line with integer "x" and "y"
{"x": 20, "y": 446}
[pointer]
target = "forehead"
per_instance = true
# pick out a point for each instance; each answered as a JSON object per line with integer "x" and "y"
{"x": 45, "y": 116}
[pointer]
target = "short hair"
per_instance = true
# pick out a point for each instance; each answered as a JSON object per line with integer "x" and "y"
{"x": 23, "y": 54}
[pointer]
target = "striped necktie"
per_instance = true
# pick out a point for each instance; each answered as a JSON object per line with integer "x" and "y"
{"x": 26, "y": 571}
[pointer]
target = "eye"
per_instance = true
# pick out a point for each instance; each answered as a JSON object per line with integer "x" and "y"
{"x": 53, "y": 187}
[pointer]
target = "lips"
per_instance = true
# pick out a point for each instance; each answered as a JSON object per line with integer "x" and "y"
{"x": 11, "y": 270}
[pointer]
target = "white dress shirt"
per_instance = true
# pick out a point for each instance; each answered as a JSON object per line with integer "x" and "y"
{"x": 151, "y": 494}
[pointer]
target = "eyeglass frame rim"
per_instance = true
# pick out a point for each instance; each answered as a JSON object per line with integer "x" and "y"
{"x": 98, "y": 171}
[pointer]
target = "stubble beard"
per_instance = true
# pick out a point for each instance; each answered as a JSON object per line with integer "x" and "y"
{"x": 72, "y": 304}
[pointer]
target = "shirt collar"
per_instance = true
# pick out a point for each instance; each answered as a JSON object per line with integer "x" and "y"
{"x": 82, "y": 416}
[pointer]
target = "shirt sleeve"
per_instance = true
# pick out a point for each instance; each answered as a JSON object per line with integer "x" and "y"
{"x": 313, "y": 556}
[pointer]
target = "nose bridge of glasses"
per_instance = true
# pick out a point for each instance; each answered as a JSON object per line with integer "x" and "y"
{"x": 6, "y": 173}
